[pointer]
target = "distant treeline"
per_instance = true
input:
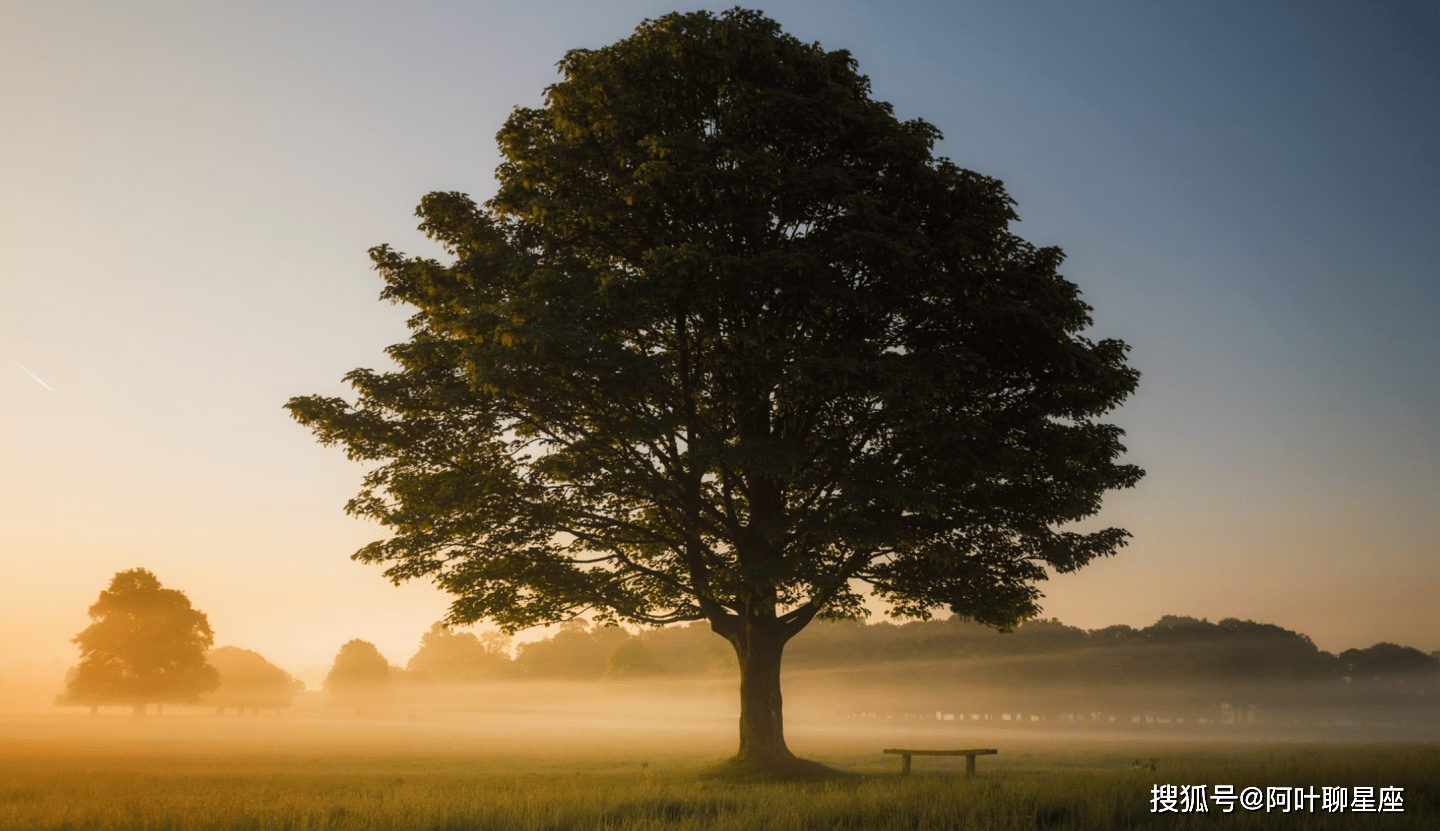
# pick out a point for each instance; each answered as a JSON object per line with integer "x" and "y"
{"x": 1173, "y": 649}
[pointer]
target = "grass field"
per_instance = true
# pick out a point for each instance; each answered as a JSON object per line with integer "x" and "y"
{"x": 198, "y": 773}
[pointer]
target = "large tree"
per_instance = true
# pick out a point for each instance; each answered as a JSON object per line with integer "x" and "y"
{"x": 146, "y": 644}
{"x": 729, "y": 344}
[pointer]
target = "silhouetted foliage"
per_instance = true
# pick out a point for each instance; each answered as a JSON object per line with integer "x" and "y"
{"x": 1238, "y": 671}
{"x": 631, "y": 659}
{"x": 248, "y": 681}
{"x": 1390, "y": 663}
{"x": 1174, "y": 648}
{"x": 575, "y": 651}
{"x": 1117, "y": 634}
{"x": 1177, "y": 649}
{"x": 728, "y": 342}
{"x": 690, "y": 649}
{"x": 360, "y": 674}
{"x": 452, "y": 657}
{"x": 146, "y": 644}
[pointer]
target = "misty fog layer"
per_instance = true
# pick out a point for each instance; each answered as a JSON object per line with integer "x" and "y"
{"x": 1180, "y": 676}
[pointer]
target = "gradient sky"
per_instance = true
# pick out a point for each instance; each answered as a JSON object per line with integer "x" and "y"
{"x": 1247, "y": 194}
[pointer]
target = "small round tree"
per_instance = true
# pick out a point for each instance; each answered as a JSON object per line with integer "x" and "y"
{"x": 146, "y": 644}
{"x": 360, "y": 675}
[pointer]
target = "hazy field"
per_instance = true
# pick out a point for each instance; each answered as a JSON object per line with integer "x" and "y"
{"x": 614, "y": 758}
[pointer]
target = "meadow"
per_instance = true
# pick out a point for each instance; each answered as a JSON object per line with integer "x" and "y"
{"x": 627, "y": 772}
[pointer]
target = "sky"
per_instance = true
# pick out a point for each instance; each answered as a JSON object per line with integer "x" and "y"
{"x": 1247, "y": 194}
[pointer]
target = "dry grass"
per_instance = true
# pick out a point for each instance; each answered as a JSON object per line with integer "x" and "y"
{"x": 198, "y": 773}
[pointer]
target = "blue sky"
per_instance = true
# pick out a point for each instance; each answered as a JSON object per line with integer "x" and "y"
{"x": 1246, "y": 193}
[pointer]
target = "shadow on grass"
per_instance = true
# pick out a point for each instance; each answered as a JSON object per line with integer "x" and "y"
{"x": 779, "y": 770}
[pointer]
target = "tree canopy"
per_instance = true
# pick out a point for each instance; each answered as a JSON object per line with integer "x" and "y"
{"x": 575, "y": 651}
{"x": 360, "y": 673}
{"x": 1389, "y": 662}
{"x": 248, "y": 681}
{"x": 446, "y": 655}
{"x": 631, "y": 659}
{"x": 146, "y": 644}
{"x": 730, "y": 343}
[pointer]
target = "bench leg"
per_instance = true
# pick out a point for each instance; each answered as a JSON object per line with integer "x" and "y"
{"x": 905, "y": 765}
{"x": 970, "y": 766}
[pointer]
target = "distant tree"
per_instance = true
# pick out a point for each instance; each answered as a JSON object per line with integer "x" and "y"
{"x": 1388, "y": 662}
{"x": 689, "y": 649}
{"x": 1047, "y": 636}
{"x": 360, "y": 675}
{"x": 729, "y": 343}
{"x": 576, "y": 651}
{"x": 1180, "y": 629}
{"x": 631, "y": 659}
{"x": 496, "y": 642}
{"x": 248, "y": 681}
{"x": 400, "y": 676}
{"x": 1112, "y": 635}
{"x": 450, "y": 656}
{"x": 146, "y": 644}
{"x": 1179, "y": 648}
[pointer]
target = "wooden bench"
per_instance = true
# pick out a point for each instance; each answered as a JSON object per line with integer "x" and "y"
{"x": 968, "y": 754}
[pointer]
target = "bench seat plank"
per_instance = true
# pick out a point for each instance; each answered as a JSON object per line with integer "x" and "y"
{"x": 968, "y": 754}
{"x": 980, "y": 752}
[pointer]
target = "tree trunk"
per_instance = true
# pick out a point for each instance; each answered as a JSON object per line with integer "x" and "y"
{"x": 762, "y": 716}
{"x": 759, "y": 637}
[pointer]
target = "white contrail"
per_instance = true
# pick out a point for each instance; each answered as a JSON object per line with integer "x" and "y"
{"x": 28, "y": 372}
